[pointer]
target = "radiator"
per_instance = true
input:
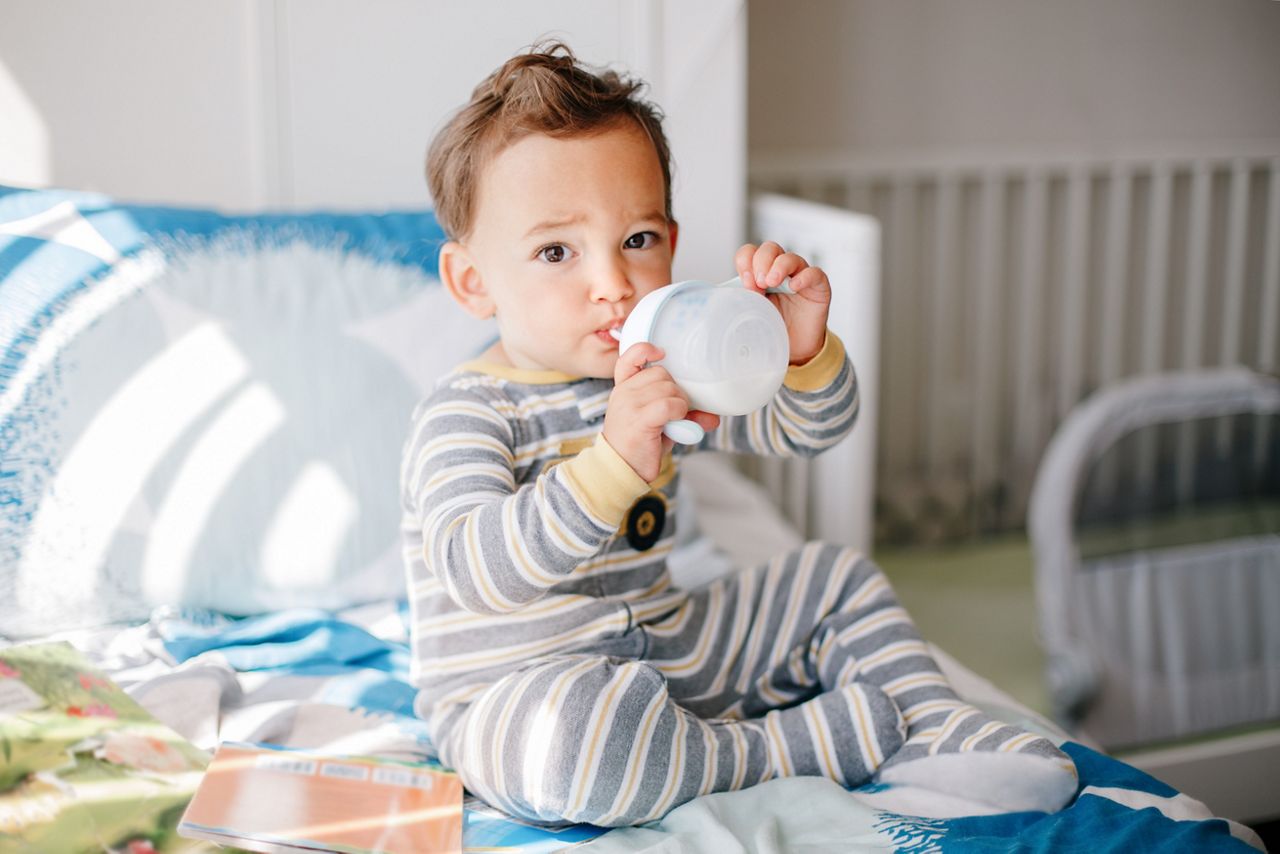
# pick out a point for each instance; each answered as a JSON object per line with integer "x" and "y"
{"x": 1014, "y": 286}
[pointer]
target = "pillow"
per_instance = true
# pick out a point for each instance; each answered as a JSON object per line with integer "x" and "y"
{"x": 199, "y": 409}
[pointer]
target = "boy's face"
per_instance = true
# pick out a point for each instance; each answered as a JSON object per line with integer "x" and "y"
{"x": 569, "y": 234}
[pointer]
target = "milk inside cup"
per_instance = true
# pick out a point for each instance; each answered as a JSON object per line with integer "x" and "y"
{"x": 724, "y": 345}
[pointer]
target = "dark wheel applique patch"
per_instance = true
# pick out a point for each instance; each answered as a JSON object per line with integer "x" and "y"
{"x": 645, "y": 521}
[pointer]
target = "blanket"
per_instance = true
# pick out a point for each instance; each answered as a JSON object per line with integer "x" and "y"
{"x": 339, "y": 682}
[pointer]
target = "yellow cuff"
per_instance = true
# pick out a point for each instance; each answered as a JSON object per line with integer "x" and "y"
{"x": 821, "y": 370}
{"x": 603, "y": 482}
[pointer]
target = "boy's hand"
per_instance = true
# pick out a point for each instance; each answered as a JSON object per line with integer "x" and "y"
{"x": 643, "y": 400}
{"x": 805, "y": 311}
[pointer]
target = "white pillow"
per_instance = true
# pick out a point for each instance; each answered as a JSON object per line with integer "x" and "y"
{"x": 204, "y": 410}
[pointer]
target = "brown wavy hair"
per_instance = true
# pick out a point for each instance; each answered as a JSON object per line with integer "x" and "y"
{"x": 546, "y": 90}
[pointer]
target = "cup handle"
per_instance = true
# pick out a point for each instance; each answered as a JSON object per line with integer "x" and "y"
{"x": 783, "y": 287}
{"x": 684, "y": 431}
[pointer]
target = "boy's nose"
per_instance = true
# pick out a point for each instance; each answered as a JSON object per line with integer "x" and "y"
{"x": 611, "y": 284}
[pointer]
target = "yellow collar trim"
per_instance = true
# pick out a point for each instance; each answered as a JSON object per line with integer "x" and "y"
{"x": 519, "y": 375}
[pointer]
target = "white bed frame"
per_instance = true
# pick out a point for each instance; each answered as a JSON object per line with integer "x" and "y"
{"x": 831, "y": 498}
{"x": 1237, "y": 777}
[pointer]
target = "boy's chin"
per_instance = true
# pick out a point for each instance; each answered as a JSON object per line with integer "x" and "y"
{"x": 600, "y": 369}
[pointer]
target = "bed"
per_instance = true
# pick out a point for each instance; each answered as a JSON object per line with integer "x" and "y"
{"x": 200, "y": 418}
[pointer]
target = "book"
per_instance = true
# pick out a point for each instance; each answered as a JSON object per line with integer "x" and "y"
{"x": 83, "y": 767}
{"x": 263, "y": 797}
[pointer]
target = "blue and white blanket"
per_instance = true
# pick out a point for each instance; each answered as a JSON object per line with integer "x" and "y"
{"x": 309, "y": 678}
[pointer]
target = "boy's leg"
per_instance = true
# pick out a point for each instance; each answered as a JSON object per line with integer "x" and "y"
{"x": 589, "y": 738}
{"x": 822, "y": 617}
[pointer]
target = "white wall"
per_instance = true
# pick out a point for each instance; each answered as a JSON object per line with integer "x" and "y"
{"x": 1083, "y": 75}
{"x": 1006, "y": 146}
{"x": 331, "y": 103}
{"x": 143, "y": 99}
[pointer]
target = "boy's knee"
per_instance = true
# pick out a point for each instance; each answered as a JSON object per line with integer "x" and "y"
{"x": 832, "y": 563}
{"x": 574, "y": 751}
{"x": 533, "y": 746}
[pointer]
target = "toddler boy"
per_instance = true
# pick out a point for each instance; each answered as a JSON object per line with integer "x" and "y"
{"x": 561, "y": 673}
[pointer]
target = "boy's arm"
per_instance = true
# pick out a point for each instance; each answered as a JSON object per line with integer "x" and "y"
{"x": 815, "y": 408}
{"x": 496, "y": 547}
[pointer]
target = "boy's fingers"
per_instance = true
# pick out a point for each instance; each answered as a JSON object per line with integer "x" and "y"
{"x": 763, "y": 260}
{"x": 665, "y": 409}
{"x": 659, "y": 410}
{"x": 786, "y": 264}
{"x": 706, "y": 420}
{"x": 633, "y": 361}
{"x": 742, "y": 263}
{"x": 652, "y": 382}
{"x": 663, "y": 390}
{"x": 812, "y": 280}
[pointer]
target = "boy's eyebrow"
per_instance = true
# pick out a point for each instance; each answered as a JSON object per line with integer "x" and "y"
{"x": 654, "y": 216}
{"x": 575, "y": 219}
{"x": 552, "y": 224}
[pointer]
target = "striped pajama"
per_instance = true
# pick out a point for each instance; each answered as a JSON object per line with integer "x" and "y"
{"x": 754, "y": 676}
{"x": 567, "y": 680}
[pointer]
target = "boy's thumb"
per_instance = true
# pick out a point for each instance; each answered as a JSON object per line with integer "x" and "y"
{"x": 706, "y": 420}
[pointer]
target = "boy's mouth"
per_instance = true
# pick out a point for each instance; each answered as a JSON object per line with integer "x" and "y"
{"x": 610, "y": 334}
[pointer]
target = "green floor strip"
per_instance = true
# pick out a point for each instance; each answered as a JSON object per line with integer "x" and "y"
{"x": 977, "y": 602}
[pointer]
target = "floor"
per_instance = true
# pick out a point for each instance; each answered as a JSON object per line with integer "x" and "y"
{"x": 977, "y": 602}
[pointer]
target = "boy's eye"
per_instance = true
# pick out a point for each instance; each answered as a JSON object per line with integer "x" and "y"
{"x": 641, "y": 240}
{"x": 553, "y": 254}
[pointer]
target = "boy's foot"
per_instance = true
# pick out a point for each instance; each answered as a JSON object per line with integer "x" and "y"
{"x": 959, "y": 750}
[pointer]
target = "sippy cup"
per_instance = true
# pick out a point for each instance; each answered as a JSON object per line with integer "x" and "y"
{"x": 724, "y": 345}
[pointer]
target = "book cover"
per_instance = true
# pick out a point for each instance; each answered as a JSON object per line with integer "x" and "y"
{"x": 264, "y": 797}
{"x": 268, "y": 798}
{"x": 83, "y": 767}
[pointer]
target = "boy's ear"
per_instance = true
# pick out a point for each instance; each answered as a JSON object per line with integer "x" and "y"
{"x": 461, "y": 278}
{"x": 673, "y": 229}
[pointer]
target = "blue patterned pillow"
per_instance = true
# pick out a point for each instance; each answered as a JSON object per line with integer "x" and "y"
{"x": 207, "y": 410}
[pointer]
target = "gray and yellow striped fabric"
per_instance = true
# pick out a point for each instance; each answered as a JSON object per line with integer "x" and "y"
{"x": 707, "y": 703}
{"x": 513, "y": 504}
{"x": 567, "y": 680}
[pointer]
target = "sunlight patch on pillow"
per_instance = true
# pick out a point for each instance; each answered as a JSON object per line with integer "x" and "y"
{"x": 216, "y": 419}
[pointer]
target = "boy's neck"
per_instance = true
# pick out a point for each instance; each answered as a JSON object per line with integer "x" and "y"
{"x": 495, "y": 362}
{"x": 527, "y": 376}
